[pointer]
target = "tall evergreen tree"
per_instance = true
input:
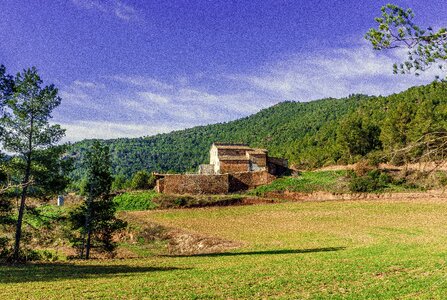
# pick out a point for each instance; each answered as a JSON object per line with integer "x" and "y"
{"x": 358, "y": 136}
{"x": 26, "y": 129}
{"x": 6, "y": 88}
{"x": 95, "y": 219}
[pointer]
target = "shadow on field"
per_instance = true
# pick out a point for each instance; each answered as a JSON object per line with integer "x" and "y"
{"x": 62, "y": 271}
{"x": 268, "y": 252}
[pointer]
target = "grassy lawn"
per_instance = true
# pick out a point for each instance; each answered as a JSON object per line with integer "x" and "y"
{"x": 307, "y": 182}
{"x": 136, "y": 200}
{"x": 325, "y": 181}
{"x": 383, "y": 249}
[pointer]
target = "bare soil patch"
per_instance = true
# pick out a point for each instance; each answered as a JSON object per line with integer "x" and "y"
{"x": 178, "y": 241}
{"x": 187, "y": 243}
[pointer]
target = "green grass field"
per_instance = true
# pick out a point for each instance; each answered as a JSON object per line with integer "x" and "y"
{"x": 382, "y": 249}
{"x": 307, "y": 182}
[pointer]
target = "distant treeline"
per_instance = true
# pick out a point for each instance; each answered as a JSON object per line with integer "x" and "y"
{"x": 309, "y": 134}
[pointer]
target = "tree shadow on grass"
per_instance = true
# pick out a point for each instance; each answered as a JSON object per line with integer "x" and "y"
{"x": 267, "y": 252}
{"x": 64, "y": 271}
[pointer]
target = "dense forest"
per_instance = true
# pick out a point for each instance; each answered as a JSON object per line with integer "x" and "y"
{"x": 309, "y": 134}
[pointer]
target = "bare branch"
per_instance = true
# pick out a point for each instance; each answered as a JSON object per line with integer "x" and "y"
{"x": 9, "y": 186}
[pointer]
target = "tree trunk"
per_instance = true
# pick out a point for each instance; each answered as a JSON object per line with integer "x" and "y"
{"x": 16, "y": 253}
{"x": 88, "y": 219}
{"x": 18, "y": 236}
{"x": 87, "y": 248}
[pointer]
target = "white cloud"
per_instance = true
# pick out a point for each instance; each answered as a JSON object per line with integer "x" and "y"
{"x": 136, "y": 105}
{"x": 117, "y": 8}
{"x": 125, "y": 12}
{"x": 154, "y": 98}
{"x": 333, "y": 73}
{"x": 110, "y": 130}
{"x": 76, "y": 95}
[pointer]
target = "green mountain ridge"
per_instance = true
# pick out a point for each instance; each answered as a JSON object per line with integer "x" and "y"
{"x": 309, "y": 134}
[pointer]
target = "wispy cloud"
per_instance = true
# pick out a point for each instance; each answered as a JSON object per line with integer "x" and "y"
{"x": 124, "y": 11}
{"x": 154, "y": 98}
{"x": 109, "y": 130}
{"x": 117, "y": 8}
{"x": 136, "y": 105}
{"x": 333, "y": 73}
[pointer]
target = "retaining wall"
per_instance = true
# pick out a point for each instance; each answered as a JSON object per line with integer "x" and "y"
{"x": 212, "y": 184}
{"x": 194, "y": 184}
{"x": 248, "y": 180}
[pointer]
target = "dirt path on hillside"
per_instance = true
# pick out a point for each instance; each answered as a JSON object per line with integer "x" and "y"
{"x": 428, "y": 166}
{"x": 327, "y": 196}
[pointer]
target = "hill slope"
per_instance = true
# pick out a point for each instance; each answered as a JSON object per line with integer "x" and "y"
{"x": 184, "y": 150}
{"x": 311, "y": 133}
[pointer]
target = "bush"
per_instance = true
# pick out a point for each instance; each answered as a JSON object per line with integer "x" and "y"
{"x": 38, "y": 255}
{"x": 119, "y": 183}
{"x": 374, "y": 158}
{"x": 5, "y": 249}
{"x": 362, "y": 168}
{"x": 142, "y": 180}
{"x": 373, "y": 181}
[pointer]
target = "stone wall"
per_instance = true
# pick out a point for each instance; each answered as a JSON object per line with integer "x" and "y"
{"x": 206, "y": 169}
{"x": 232, "y": 166}
{"x": 278, "y": 166}
{"x": 194, "y": 184}
{"x": 248, "y": 180}
{"x": 212, "y": 184}
{"x": 259, "y": 159}
{"x": 279, "y": 161}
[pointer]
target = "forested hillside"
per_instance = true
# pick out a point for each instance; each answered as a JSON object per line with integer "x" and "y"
{"x": 309, "y": 134}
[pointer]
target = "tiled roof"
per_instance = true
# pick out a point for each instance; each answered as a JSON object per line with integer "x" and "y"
{"x": 234, "y": 147}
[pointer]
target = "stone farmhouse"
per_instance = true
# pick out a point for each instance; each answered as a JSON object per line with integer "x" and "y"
{"x": 232, "y": 168}
{"x": 232, "y": 158}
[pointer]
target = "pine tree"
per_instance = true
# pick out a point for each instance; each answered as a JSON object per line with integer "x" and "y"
{"x": 95, "y": 220}
{"x": 396, "y": 28}
{"x": 26, "y": 129}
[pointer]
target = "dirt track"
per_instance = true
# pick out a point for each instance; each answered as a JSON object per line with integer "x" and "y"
{"x": 428, "y": 166}
{"x": 326, "y": 196}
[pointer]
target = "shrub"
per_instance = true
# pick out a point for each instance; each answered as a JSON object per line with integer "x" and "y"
{"x": 119, "y": 183}
{"x": 362, "y": 168}
{"x": 142, "y": 180}
{"x": 373, "y": 181}
{"x": 375, "y": 158}
{"x": 5, "y": 249}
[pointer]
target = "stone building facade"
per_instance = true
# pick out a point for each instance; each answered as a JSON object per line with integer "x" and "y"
{"x": 232, "y": 168}
{"x": 231, "y": 158}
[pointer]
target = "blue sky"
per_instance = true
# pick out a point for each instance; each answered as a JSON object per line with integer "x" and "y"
{"x": 133, "y": 68}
